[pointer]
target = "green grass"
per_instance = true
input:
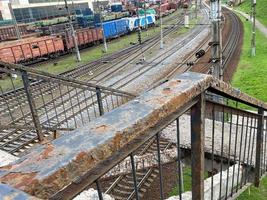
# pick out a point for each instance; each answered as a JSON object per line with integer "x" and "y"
{"x": 261, "y": 10}
{"x": 187, "y": 177}
{"x": 250, "y": 76}
{"x": 254, "y": 193}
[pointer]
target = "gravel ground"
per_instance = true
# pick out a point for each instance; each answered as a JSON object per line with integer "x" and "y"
{"x": 242, "y": 137}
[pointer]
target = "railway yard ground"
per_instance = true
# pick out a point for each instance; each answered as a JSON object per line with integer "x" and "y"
{"x": 68, "y": 62}
{"x": 127, "y": 71}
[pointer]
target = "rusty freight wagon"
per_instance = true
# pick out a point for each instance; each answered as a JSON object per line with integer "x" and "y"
{"x": 9, "y": 32}
{"x": 31, "y": 49}
{"x": 85, "y": 37}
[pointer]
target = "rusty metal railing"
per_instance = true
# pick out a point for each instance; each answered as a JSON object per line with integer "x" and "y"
{"x": 217, "y": 133}
{"x": 37, "y": 105}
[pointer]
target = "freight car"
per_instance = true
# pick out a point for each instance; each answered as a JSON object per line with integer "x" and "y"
{"x": 85, "y": 37}
{"x": 9, "y": 32}
{"x": 133, "y": 22}
{"x": 28, "y": 51}
{"x": 115, "y": 28}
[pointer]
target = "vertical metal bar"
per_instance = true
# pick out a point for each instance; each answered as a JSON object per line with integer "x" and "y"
{"x": 221, "y": 165}
{"x": 92, "y": 98}
{"x": 265, "y": 146}
{"x": 79, "y": 105}
{"x": 179, "y": 159}
{"x": 36, "y": 121}
{"x": 18, "y": 100}
{"x": 240, "y": 149}
{"x": 229, "y": 153}
{"x": 134, "y": 177}
{"x": 85, "y": 100}
{"x": 100, "y": 196}
{"x": 72, "y": 108}
{"x": 7, "y": 104}
{"x": 160, "y": 169}
{"x": 53, "y": 101}
{"x": 244, "y": 150}
{"x": 63, "y": 105}
{"x": 248, "y": 156}
{"x": 259, "y": 146}
{"x": 253, "y": 141}
{"x": 99, "y": 101}
{"x": 236, "y": 133}
{"x": 212, "y": 148}
{"x": 197, "y": 147}
{"x": 43, "y": 100}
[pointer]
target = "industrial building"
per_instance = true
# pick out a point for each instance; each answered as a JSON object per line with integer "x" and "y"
{"x": 33, "y": 10}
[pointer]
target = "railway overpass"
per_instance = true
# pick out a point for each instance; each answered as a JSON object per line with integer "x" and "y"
{"x": 222, "y": 136}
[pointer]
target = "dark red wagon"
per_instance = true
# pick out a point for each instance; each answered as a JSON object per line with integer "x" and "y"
{"x": 27, "y": 50}
{"x": 85, "y": 37}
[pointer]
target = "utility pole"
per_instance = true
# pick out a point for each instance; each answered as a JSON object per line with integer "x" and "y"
{"x": 253, "y": 40}
{"x": 145, "y": 15}
{"x": 161, "y": 31}
{"x": 216, "y": 52}
{"x": 101, "y": 22}
{"x": 78, "y": 56}
{"x": 14, "y": 21}
{"x": 139, "y": 30}
{"x": 196, "y": 9}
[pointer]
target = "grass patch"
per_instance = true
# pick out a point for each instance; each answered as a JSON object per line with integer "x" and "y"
{"x": 261, "y": 10}
{"x": 250, "y": 76}
{"x": 254, "y": 193}
{"x": 187, "y": 177}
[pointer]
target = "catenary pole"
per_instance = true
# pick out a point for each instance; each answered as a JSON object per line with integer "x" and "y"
{"x": 14, "y": 21}
{"x": 78, "y": 56}
{"x": 253, "y": 40}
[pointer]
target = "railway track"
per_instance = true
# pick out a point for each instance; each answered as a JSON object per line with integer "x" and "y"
{"x": 123, "y": 186}
{"x": 101, "y": 65}
{"x": 61, "y": 108}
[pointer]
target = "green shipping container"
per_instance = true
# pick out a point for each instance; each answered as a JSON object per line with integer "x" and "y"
{"x": 148, "y": 11}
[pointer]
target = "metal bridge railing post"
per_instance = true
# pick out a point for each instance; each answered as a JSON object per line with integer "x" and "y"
{"x": 259, "y": 147}
{"x": 160, "y": 168}
{"x": 197, "y": 147}
{"x": 134, "y": 177}
{"x": 99, "y": 191}
{"x": 36, "y": 121}
{"x": 99, "y": 101}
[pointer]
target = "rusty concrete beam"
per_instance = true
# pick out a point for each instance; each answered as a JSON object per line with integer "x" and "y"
{"x": 9, "y": 193}
{"x": 55, "y": 165}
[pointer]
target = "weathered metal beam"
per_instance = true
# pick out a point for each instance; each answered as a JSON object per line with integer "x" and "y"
{"x": 197, "y": 147}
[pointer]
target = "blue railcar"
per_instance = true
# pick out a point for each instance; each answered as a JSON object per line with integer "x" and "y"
{"x": 134, "y": 21}
{"x": 115, "y": 28}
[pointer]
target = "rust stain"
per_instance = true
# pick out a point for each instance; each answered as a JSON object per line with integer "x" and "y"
{"x": 167, "y": 90}
{"x": 46, "y": 153}
{"x": 117, "y": 141}
{"x": 174, "y": 83}
{"x": 19, "y": 180}
{"x": 101, "y": 129}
